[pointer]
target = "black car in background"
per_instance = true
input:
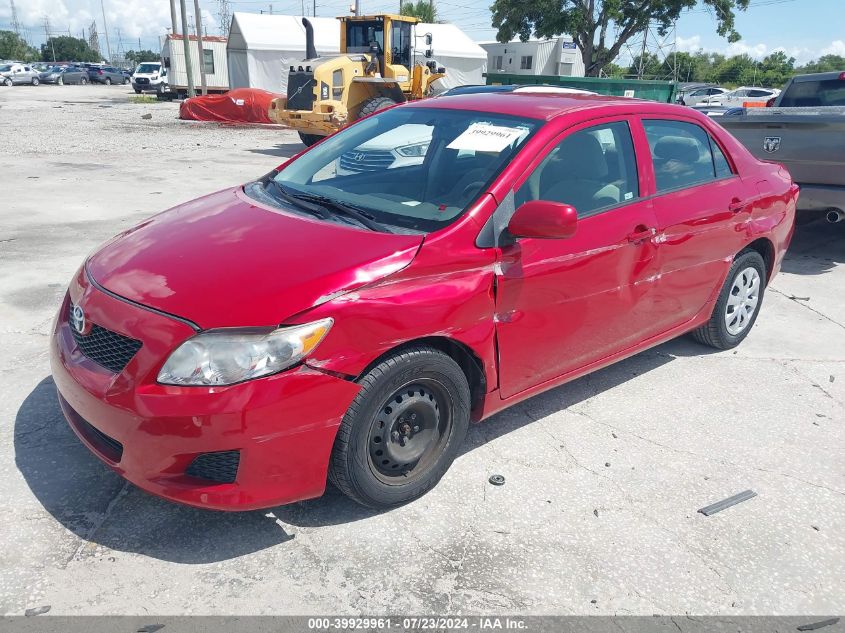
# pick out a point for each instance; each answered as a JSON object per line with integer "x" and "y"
{"x": 61, "y": 75}
{"x": 106, "y": 75}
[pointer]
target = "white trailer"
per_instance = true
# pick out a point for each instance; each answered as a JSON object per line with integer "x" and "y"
{"x": 559, "y": 56}
{"x": 214, "y": 64}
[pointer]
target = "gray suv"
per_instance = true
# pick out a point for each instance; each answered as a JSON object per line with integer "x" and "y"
{"x": 18, "y": 74}
{"x": 106, "y": 75}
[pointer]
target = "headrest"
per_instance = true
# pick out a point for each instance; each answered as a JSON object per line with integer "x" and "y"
{"x": 582, "y": 156}
{"x": 677, "y": 147}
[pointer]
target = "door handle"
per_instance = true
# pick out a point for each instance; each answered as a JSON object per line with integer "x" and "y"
{"x": 737, "y": 205}
{"x": 641, "y": 233}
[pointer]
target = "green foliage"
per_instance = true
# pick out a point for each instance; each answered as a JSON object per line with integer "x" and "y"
{"x": 68, "y": 49}
{"x": 825, "y": 64}
{"x": 587, "y": 20}
{"x": 422, "y": 9}
{"x": 139, "y": 57}
{"x": 12, "y": 46}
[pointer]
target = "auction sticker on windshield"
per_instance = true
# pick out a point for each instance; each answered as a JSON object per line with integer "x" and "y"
{"x": 484, "y": 137}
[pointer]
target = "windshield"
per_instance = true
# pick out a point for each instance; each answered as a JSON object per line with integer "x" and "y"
{"x": 147, "y": 68}
{"x": 412, "y": 168}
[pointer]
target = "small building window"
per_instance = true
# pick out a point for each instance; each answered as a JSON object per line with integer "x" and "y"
{"x": 525, "y": 62}
{"x": 208, "y": 61}
{"x": 499, "y": 62}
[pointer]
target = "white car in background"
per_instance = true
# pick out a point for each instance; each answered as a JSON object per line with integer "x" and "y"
{"x": 380, "y": 153}
{"x": 736, "y": 98}
{"x": 694, "y": 96}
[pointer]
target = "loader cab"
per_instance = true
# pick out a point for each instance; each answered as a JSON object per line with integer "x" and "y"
{"x": 390, "y": 38}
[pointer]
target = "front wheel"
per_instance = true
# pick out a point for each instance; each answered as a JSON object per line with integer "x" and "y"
{"x": 107, "y": 81}
{"x": 374, "y": 105}
{"x": 738, "y": 304}
{"x": 137, "y": 92}
{"x": 60, "y": 81}
{"x": 35, "y": 81}
{"x": 403, "y": 430}
{"x": 83, "y": 81}
{"x": 125, "y": 80}
{"x": 309, "y": 139}
{"x": 7, "y": 81}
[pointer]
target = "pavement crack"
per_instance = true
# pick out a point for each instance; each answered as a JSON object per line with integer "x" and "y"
{"x": 89, "y": 536}
{"x": 804, "y": 305}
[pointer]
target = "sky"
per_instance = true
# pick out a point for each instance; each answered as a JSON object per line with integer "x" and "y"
{"x": 805, "y": 29}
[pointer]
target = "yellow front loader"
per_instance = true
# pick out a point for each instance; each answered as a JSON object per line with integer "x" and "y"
{"x": 375, "y": 69}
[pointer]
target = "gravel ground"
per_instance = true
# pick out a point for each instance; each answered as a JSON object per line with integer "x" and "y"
{"x": 603, "y": 476}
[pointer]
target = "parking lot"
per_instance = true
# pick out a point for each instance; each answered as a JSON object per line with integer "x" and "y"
{"x": 603, "y": 476}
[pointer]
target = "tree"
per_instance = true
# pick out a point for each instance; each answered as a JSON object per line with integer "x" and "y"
{"x": 422, "y": 9}
{"x": 12, "y": 46}
{"x": 652, "y": 67}
{"x": 585, "y": 20}
{"x": 775, "y": 70}
{"x": 139, "y": 57}
{"x": 68, "y": 49}
{"x": 825, "y": 64}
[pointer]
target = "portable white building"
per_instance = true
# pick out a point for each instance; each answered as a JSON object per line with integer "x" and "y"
{"x": 263, "y": 47}
{"x": 559, "y": 56}
{"x": 214, "y": 62}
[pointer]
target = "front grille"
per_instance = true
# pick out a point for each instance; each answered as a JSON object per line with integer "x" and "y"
{"x": 361, "y": 161}
{"x": 106, "y": 348}
{"x": 300, "y": 90}
{"x": 221, "y": 467}
{"x": 142, "y": 80}
{"x": 107, "y": 446}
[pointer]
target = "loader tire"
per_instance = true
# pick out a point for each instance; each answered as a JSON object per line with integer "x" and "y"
{"x": 309, "y": 139}
{"x": 374, "y": 105}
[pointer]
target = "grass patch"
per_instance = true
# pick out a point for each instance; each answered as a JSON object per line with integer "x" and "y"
{"x": 143, "y": 99}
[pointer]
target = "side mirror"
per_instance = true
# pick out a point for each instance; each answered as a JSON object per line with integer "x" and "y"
{"x": 544, "y": 219}
{"x": 428, "y": 39}
{"x": 428, "y": 53}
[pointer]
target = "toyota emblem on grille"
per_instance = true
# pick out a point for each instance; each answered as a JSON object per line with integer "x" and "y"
{"x": 77, "y": 319}
{"x": 358, "y": 156}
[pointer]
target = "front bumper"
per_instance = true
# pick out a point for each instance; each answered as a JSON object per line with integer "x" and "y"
{"x": 283, "y": 426}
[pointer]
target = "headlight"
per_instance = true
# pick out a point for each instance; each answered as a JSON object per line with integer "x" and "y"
{"x": 224, "y": 358}
{"x": 415, "y": 150}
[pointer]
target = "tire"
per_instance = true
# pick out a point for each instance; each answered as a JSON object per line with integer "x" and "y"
{"x": 374, "y": 105}
{"x": 60, "y": 81}
{"x": 7, "y": 81}
{"x": 309, "y": 139}
{"x": 721, "y": 331}
{"x": 35, "y": 81}
{"x": 125, "y": 80}
{"x": 83, "y": 81}
{"x": 403, "y": 430}
{"x": 107, "y": 81}
{"x": 137, "y": 92}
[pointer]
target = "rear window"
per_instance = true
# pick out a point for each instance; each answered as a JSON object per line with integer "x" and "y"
{"x": 806, "y": 94}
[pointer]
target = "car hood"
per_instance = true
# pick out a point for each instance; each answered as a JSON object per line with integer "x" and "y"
{"x": 226, "y": 260}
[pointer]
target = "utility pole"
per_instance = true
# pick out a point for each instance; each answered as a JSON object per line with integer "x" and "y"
{"x": 271, "y": 9}
{"x": 49, "y": 38}
{"x": 106, "y": 29}
{"x": 200, "y": 49}
{"x": 314, "y": 8}
{"x": 187, "y": 47}
{"x": 174, "y": 25}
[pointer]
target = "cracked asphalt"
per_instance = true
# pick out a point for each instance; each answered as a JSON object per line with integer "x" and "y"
{"x": 603, "y": 475}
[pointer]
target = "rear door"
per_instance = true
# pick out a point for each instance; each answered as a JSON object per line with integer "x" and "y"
{"x": 562, "y": 304}
{"x": 700, "y": 201}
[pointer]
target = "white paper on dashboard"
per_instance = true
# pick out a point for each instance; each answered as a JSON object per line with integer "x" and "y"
{"x": 483, "y": 137}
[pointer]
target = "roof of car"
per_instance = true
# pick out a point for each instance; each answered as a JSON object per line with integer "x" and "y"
{"x": 539, "y": 104}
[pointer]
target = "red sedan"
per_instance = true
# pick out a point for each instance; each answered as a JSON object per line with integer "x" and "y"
{"x": 345, "y": 316}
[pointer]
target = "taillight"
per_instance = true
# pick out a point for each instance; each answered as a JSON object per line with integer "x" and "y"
{"x": 99, "y": 72}
{"x": 842, "y": 76}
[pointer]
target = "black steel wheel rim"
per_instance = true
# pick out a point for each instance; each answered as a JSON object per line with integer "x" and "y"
{"x": 410, "y": 431}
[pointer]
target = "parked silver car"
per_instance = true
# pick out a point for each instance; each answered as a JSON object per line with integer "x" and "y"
{"x": 695, "y": 95}
{"x": 11, "y": 74}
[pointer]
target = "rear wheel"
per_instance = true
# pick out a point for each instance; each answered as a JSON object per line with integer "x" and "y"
{"x": 60, "y": 81}
{"x": 83, "y": 81}
{"x": 107, "y": 81}
{"x": 7, "y": 81}
{"x": 35, "y": 81}
{"x": 738, "y": 304}
{"x": 125, "y": 80}
{"x": 374, "y": 105}
{"x": 309, "y": 139}
{"x": 403, "y": 430}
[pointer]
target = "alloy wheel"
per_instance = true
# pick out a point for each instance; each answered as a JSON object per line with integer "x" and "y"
{"x": 742, "y": 300}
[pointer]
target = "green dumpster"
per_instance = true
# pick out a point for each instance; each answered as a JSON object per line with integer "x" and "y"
{"x": 640, "y": 88}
